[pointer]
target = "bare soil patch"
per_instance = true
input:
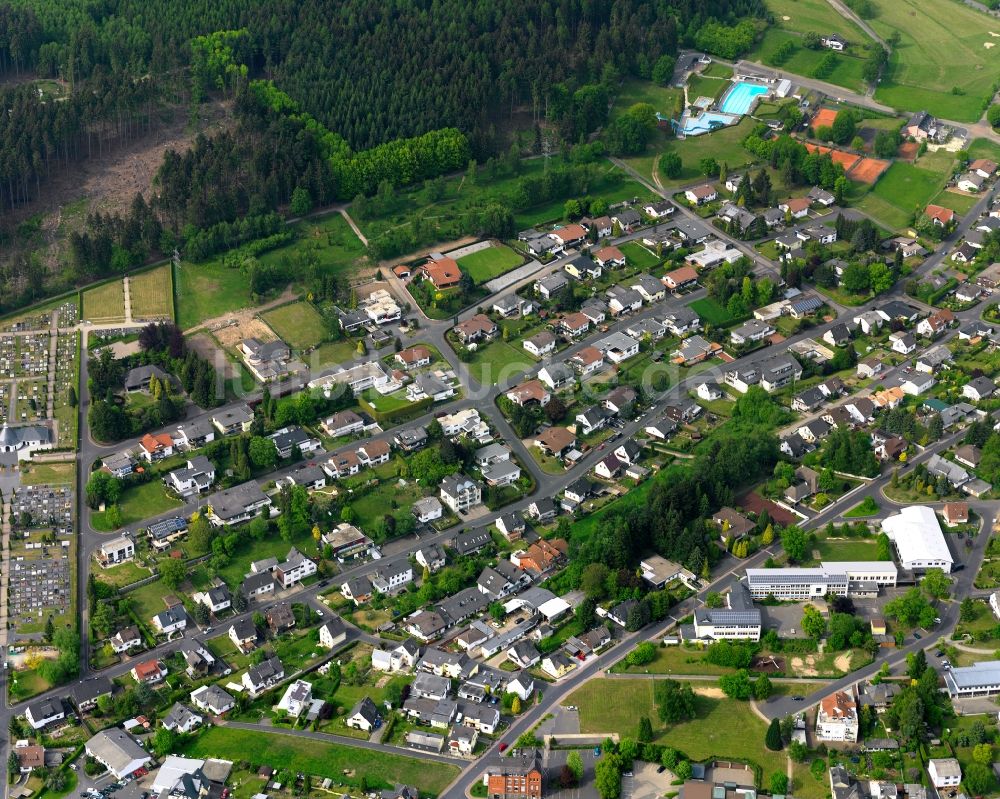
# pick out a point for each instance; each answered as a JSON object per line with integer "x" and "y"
{"x": 243, "y": 324}
{"x": 843, "y": 662}
{"x": 712, "y": 692}
{"x": 207, "y": 348}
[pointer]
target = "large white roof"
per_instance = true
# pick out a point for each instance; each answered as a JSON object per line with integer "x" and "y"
{"x": 917, "y": 535}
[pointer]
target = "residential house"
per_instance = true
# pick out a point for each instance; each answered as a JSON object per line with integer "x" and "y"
{"x": 557, "y": 376}
{"x": 750, "y": 332}
{"x": 149, "y": 671}
{"x": 126, "y": 639}
{"x": 540, "y": 344}
{"x": 477, "y": 328}
{"x": 117, "y": 751}
{"x": 427, "y": 509}
{"x": 287, "y": 439}
{"x": 837, "y": 719}
{"x": 699, "y": 195}
{"x": 173, "y": 619}
{"x": 555, "y": 441}
{"x": 117, "y": 550}
{"x": 443, "y": 273}
{"x": 364, "y": 716}
{"x": 343, "y": 423}
{"x": 266, "y": 359}
{"x": 43, "y": 712}
{"x": 583, "y": 266}
{"x": 195, "y": 478}
{"x": 156, "y": 447}
{"x": 460, "y": 493}
{"x": 295, "y": 568}
{"x": 237, "y": 504}
{"x": 549, "y": 287}
{"x": 263, "y": 676}
{"x": 529, "y": 393}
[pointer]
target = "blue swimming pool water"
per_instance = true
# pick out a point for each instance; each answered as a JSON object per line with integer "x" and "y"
{"x": 741, "y": 97}
{"x": 705, "y": 122}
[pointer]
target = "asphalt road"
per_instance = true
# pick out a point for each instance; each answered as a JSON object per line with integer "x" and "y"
{"x": 483, "y": 398}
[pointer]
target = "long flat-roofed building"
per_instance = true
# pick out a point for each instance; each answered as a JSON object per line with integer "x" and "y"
{"x": 979, "y": 679}
{"x": 739, "y": 621}
{"x": 840, "y": 578}
{"x": 918, "y": 539}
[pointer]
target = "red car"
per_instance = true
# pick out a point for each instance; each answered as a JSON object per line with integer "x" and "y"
{"x": 502, "y": 747}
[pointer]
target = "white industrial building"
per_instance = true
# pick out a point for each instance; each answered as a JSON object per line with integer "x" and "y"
{"x": 844, "y": 578}
{"x": 918, "y": 539}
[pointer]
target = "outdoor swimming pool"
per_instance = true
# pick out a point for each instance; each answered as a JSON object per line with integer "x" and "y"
{"x": 705, "y": 122}
{"x": 741, "y": 97}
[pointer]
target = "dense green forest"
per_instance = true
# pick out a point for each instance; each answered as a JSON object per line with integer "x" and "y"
{"x": 331, "y": 98}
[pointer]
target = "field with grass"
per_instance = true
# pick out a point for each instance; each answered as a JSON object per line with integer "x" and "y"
{"x": 902, "y": 190}
{"x": 940, "y": 48}
{"x": 151, "y": 294}
{"x": 712, "y": 312}
{"x": 803, "y": 61}
{"x": 484, "y": 265}
{"x": 984, "y": 148}
{"x": 701, "y": 86}
{"x": 320, "y": 758}
{"x": 298, "y": 324}
{"x": 724, "y": 145}
{"x": 803, "y": 16}
{"x": 668, "y": 101}
{"x": 847, "y": 549}
{"x": 959, "y": 203}
{"x": 53, "y": 473}
{"x": 497, "y": 362}
{"x": 105, "y": 302}
{"x": 207, "y": 290}
{"x": 639, "y": 255}
{"x": 137, "y": 503}
{"x": 122, "y": 574}
{"x": 723, "y": 726}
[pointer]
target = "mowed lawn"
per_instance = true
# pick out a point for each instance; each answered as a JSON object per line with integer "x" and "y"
{"x": 486, "y": 264}
{"x": 940, "y": 48}
{"x": 847, "y": 550}
{"x": 50, "y": 473}
{"x": 723, "y": 727}
{"x": 804, "y": 16}
{"x": 639, "y": 255}
{"x": 803, "y": 61}
{"x": 298, "y": 324}
{"x": 105, "y": 302}
{"x": 208, "y": 290}
{"x": 724, "y": 145}
{"x": 321, "y": 759}
{"x": 499, "y": 361}
{"x": 667, "y": 101}
{"x": 710, "y": 311}
{"x": 138, "y": 503}
{"x": 901, "y": 191}
{"x": 151, "y": 294}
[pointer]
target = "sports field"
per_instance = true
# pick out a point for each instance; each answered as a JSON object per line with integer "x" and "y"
{"x": 298, "y": 324}
{"x": 943, "y": 45}
{"x": 152, "y": 294}
{"x": 105, "y": 302}
{"x": 484, "y": 265}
